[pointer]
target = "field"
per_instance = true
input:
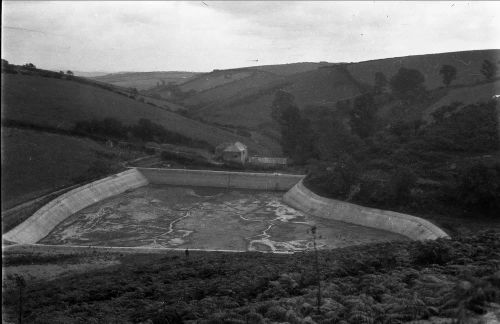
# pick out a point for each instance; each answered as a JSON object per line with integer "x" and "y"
{"x": 145, "y": 80}
{"x": 35, "y": 163}
{"x": 466, "y": 95}
{"x": 235, "y": 89}
{"x": 290, "y": 68}
{"x": 205, "y": 218}
{"x": 60, "y": 103}
{"x": 467, "y": 63}
{"x": 214, "y": 79}
{"x": 252, "y": 106}
{"x": 444, "y": 281}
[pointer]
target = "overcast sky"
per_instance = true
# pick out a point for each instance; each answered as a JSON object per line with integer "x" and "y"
{"x": 202, "y": 36}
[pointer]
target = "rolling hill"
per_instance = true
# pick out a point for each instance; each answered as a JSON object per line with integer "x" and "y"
{"x": 320, "y": 87}
{"x": 145, "y": 80}
{"x": 239, "y": 88}
{"x": 41, "y": 155}
{"x": 215, "y": 78}
{"x": 35, "y": 163}
{"x": 291, "y": 68}
{"x": 465, "y": 95}
{"x": 85, "y": 74}
{"x": 61, "y": 103}
{"x": 245, "y": 99}
{"x": 467, "y": 63}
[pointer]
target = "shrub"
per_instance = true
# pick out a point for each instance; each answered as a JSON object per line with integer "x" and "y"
{"x": 407, "y": 83}
{"x": 471, "y": 129}
{"x": 489, "y": 69}
{"x": 243, "y": 132}
{"x": 276, "y": 313}
{"x": 432, "y": 252}
{"x": 98, "y": 169}
{"x": 334, "y": 179}
{"x": 374, "y": 192}
{"x": 479, "y": 187}
{"x": 449, "y": 73}
{"x": 401, "y": 182}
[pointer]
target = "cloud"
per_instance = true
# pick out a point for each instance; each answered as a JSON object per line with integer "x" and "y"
{"x": 139, "y": 36}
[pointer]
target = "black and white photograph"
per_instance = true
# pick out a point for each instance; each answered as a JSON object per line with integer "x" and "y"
{"x": 250, "y": 162}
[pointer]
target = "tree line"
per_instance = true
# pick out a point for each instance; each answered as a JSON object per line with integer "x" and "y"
{"x": 144, "y": 130}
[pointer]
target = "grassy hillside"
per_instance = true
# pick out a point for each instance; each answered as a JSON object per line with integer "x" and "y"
{"x": 320, "y": 87}
{"x": 467, "y": 63}
{"x": 239, "y": 80}
{"x": 60, "y": 103}
{"x": 35, "y": 163}
{"x": 233, "y": 90}
{"x": 85, "y": 74}
{"x": 323, "y": 87}
{"x": 465, "y": 96}
{"x": 291, "y": 68}
{"x": 215, "y": 78}
{"x": 145, "y": 80}
{"x": 245, "y": 101}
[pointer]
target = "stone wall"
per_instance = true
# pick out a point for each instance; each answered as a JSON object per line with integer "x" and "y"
{"x": 415, "y": 228}
{"x": 224, "y": 179}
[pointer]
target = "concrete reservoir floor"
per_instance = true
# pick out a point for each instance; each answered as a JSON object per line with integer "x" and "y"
{"x": 206, "y": 218}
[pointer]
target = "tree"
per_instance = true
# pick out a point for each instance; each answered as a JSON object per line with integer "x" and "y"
{"x": 69, "y": 72}
{"x": 287, "y": 115}
{"x": 489, "y": 69}
{"x": 401, "y": 182}
{"x": 407, "y": 83}
{"x": 304, "y": 143}
{"x": 29, "y": 66}
{"x": 333, "y": 139}
{"x": 282, "y": 101}
{"x": 296, "y": 132}
{"x": 479, "y": 188}
{"x": 449, "y": 73}
{"x": 363, "y": 115}
{"x": 380, "y": 82}
{"x": 334, "y": 179}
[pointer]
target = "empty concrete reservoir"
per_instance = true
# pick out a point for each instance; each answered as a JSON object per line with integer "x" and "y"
{"x": 212, "y": 210}
{"x": 161, "y": 216}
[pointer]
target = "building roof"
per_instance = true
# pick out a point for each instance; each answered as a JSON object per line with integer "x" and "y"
{"x": 235, "y": 147}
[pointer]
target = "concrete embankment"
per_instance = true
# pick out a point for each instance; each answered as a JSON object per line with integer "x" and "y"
{"x": 46, "y": 219}
{"x": 412, "y": 227}
{"x": 221, "y": 179}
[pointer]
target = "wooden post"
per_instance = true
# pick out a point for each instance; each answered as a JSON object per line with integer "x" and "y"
{"x": 20, "y": 284}
{"x": 316, "y": 263}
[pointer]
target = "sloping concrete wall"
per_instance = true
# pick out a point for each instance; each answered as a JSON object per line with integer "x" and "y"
{"x": 41, "y": 223}
{"x": 224, "y": 179}
{"x": 413, "y": 227}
